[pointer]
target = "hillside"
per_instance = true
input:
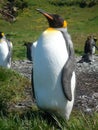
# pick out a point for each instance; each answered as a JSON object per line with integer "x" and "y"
{"x": 29, "y": 24}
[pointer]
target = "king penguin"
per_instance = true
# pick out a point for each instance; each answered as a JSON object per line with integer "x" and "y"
{"x": 30, "y": 47}
{"x": 54, "y": 69}
{"x": 5, "y": 51}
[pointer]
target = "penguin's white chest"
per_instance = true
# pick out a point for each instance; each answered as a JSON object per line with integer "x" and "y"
{"x": 3, "y": 53}
{"x": 49, "y": 58}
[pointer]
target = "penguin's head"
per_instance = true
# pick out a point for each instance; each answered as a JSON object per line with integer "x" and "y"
{"x": 1, "y": 35}
{"x": 95, "y": 38}
{"x": 54, "y": 20}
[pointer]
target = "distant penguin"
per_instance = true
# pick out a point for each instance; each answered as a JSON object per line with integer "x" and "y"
{"x": 89, "y": 49}
{"x": 5, "y": 51}
{"x": 30, "y": 47}
{"x": 54, "y": 68}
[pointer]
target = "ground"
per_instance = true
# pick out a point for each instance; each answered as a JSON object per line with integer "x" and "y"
{"x": 86, "y": 95}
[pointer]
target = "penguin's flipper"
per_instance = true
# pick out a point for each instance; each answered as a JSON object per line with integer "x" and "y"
{"x": 66, "y": 78}
{"x": 69, "y": 67}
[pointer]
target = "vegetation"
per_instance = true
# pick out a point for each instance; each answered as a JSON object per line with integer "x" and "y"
{"x": 12, "y": 88}
{"x": 13, "y": 91}
{"x": 28, "y": 27}
{"x": 39, "y": 121}
{"x": 29, "y": 24}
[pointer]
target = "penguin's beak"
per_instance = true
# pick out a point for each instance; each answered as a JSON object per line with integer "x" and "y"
{"x": 45, "y": 14}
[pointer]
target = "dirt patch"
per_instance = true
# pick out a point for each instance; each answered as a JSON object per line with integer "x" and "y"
{"x": 86, "y": 98}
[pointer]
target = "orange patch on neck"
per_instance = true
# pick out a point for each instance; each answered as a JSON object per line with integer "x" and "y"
{"x": 65, "y": 24}
{"x": 51, "y": 29}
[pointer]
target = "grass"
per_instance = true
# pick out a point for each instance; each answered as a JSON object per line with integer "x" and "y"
{"x": 38, "y": 120}
{"x": 30, "y": 24}
{"x": 13, "y": 90}
{"x": 12, "y": 87}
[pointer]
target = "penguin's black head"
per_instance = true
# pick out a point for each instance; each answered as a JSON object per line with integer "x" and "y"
{"x": 54, "y": 20}
{"x": 1, "y": 35}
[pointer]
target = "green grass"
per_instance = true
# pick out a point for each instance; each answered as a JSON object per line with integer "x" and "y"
{"x": 12, "y": 88}
{"x": 12, "y": 91}
{"x": 30, "y": 24}
{"x": 38, "y": 120}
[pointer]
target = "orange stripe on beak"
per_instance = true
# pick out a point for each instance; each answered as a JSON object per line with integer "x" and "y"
{"x": 45, "y": 13}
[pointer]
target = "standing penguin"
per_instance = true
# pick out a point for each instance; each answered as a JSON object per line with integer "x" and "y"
{"x": 5, "y": 51}
{"x": 54, "y": 68}
{"x": 30, "y": 47}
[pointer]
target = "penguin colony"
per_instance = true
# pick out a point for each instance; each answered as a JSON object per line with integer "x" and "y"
{"x": 53, "y": 74}
{"x": 54, "y": 69}
{"x": 5, "y": 51}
